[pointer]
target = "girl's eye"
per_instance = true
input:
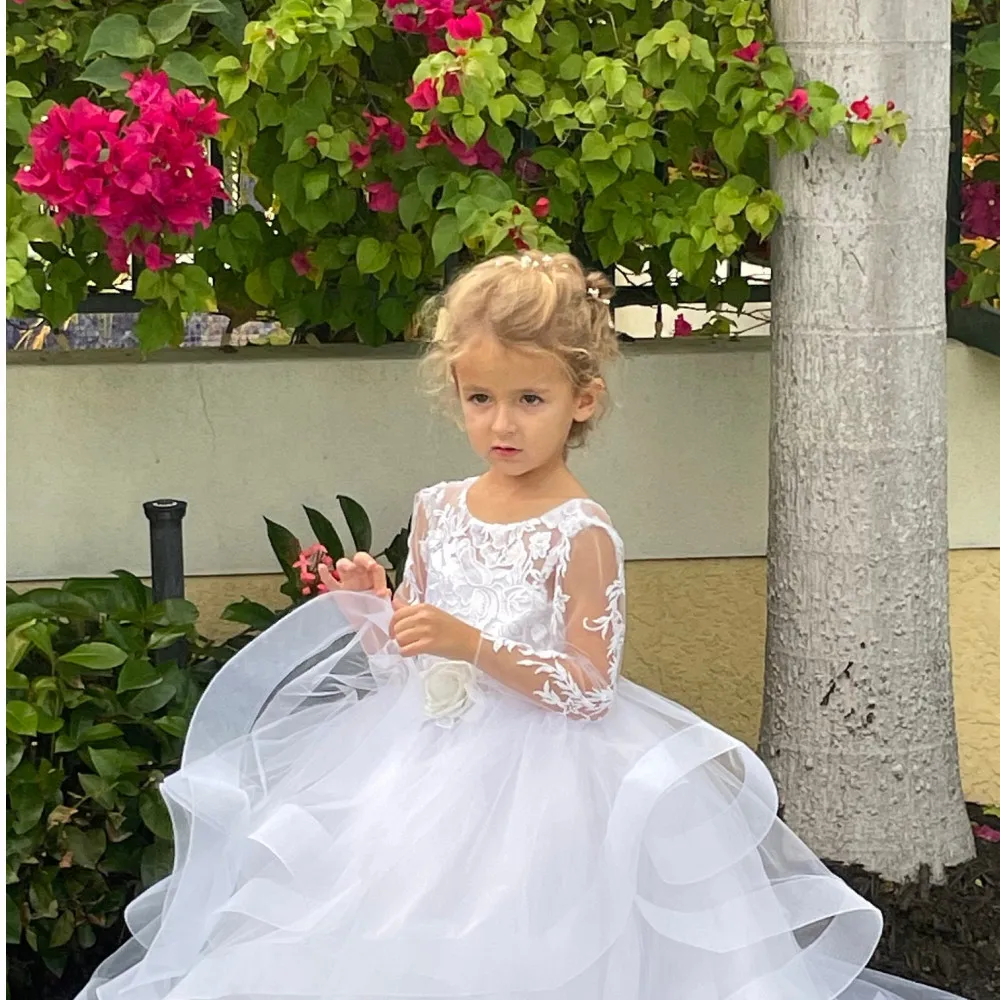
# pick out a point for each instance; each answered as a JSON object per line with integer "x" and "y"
{"x": 532, "y": 399}
{"x": 479, "y": 398}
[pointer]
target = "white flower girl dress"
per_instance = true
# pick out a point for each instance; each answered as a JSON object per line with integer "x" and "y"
{"x": 351, "y": 825}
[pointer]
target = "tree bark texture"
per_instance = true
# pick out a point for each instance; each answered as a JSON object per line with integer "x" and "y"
{"x": 858, "y": 725}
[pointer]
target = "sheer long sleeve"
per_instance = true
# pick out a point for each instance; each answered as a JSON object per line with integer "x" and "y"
{"x": 577, "y": 679}
{"x": 413, "y": 585}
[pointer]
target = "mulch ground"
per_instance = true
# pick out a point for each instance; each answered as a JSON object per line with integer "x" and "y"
{"x": 945, "y": 935}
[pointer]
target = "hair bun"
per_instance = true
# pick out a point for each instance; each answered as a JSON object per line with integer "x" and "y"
{"x": 600, "y": 287}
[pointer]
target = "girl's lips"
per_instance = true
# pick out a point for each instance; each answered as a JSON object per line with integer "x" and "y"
{"x": 505, "y": 451}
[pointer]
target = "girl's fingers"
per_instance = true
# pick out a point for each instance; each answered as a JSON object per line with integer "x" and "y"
{"x": 327, "y": 578}
{"x": 379, "y": 583}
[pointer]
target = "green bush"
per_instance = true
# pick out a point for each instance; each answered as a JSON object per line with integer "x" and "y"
{"x": 96, "y": 716}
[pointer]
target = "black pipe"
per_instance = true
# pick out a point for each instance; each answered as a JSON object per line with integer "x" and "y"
{"x": 166, "y": 551}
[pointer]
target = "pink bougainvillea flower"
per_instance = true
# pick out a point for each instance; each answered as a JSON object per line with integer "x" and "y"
{"x": 452, "y": 85}
{"x": 361, "y": 155}
{"x": 682, "y": 328}
{"x": 468, "y": 26}
{"x": 862, "y": 109}
{"x": 890, "y": 105}
{"x": 957, "y": 281}
{"x": 519, "y": 241}
{"x": 750, "y": 53}
{"x": 435, "y": 43}
{"x": 301, "y": 263}
{"x": 156, "y": 259}
{"x": 541, "y": 208}
{"x": 487, "y": 157}
{"x": 424, "y": 96}
{"x": 406, "y": 22}
{"x": 981, "y": 209}
{"x": 986, "y": 833}
{"x": 526, "y": 168}
{"x": 382, "y": 197}
{"x": 435, "y": 136}
{"x": 308, "y": 564}
{"x": 797, "y": 102}
{"x": 142, "y": 177}
{"x": 396, "y": 135}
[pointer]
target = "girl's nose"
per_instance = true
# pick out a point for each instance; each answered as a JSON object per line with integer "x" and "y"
{"x": 502, "y": 421}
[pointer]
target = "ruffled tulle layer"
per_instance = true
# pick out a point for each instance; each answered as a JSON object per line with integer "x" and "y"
{"x": 334, "y": 842}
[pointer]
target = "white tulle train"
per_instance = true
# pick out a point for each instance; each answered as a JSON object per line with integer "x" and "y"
{"x": 333, "y": 843}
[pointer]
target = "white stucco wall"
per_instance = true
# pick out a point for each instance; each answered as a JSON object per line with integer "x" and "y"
{"x": 681, "y": 463}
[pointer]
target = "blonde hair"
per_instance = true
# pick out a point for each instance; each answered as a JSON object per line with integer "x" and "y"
{"x": 528, "y": 300}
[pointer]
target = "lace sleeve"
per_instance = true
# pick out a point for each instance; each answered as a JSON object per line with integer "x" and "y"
{"x": 577, "y": 679}
{"x": 413, "y": 585}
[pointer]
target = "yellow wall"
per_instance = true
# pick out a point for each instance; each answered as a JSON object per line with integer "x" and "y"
{"x": 696, "y": 633}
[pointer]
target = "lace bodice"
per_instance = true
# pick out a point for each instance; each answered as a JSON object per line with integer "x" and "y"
{"x": 546, "y": 593}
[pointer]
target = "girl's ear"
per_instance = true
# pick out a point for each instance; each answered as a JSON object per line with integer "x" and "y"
{"x": 588, "y": 399}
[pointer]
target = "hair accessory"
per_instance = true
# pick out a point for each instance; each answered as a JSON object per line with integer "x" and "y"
{"x": 525, "y": 261}
{"x": 546, "y": 259}
{"x": 595, "y": 293}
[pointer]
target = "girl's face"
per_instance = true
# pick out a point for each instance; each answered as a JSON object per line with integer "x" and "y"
{"x": 518, "y": 404}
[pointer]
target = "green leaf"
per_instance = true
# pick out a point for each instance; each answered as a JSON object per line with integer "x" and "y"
{"x": 13, "y": 921}
{"x": 285, "y": 545}
{"x": 985, "y": 54}
{"x": 729, "y": 144}
{"x": 468, "y": 128}
{"x": 111, "y": 764}
{"x": 358, "y": 523}
{"x": 62, "y": 930}
{"x": 729, "y": 201}
{"x": 601, "y": 175}
{"x": 233, "y": 85}
{"x": 595, "y": 147}
{"x": 173, "y": 725}
{"x": 137, "y": 674}
{"x": 99, "y": 733}
{"x": 15, "y": 88}
{"x": 372, "y": 255}
{"x": 86, "y": 846}
{"x": 183, "y": 67}
{"x": 232, "y": 23}
{"x": 119, "y": 35}
{"x": 167, "y": 22}
{"x": 686, "y": 257}
{"x": 446, "y": 238}
{"x": 325, "y": 533}
{"x": 157, "y": 861}
{"x": 22, "y": 718}
{"x": 106, "y": 72}
{"x": 95, "y": 656}
{"x": 250, "y": 613}
{"x": 315, "y": 184}
{"x": 530, "y": 83}
{"x": 413, "y": 209}
{"x": 159, "y": 326}
{"x": 757, "y": 213}
{"x": 153, "y": 811}
{"x": 521, "y": 25}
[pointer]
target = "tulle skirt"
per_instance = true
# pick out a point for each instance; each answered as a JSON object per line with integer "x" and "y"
{"x": 335, "y": 843}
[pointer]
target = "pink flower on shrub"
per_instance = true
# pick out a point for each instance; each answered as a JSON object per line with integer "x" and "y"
{"x": 749, "y": 53}
{"x": 682, "y": 328}
{"x": 862, "y": 109}
{"x": 382, "y": 197}
{"x": 361, "y": 155}
{"x": 145, "y": 177}
{"x": 986, "y": 833}
{"x": 406, "y": 23}
{"x": 452, "y": 85}
{"x": 957, "y": 281}
{"x": 308, "y": 564}
{"x": 981, "y": 209}
{"x": 526, "y": 168}
{"x": 541, "y": 208}
{"x": 301, "y": 263}
{"x": 797, "y": 102}
{"x": 424, "y": 96}
{"x": 468, "y": 26}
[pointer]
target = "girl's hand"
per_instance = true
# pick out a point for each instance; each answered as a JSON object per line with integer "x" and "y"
{"x": 423, "y": 629}
{"x": 362, "y": 573}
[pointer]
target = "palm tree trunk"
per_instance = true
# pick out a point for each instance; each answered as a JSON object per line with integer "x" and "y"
{"x": 858, "y": 725}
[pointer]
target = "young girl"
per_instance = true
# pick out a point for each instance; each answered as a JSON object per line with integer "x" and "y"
{"x": 456, "y": 794}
